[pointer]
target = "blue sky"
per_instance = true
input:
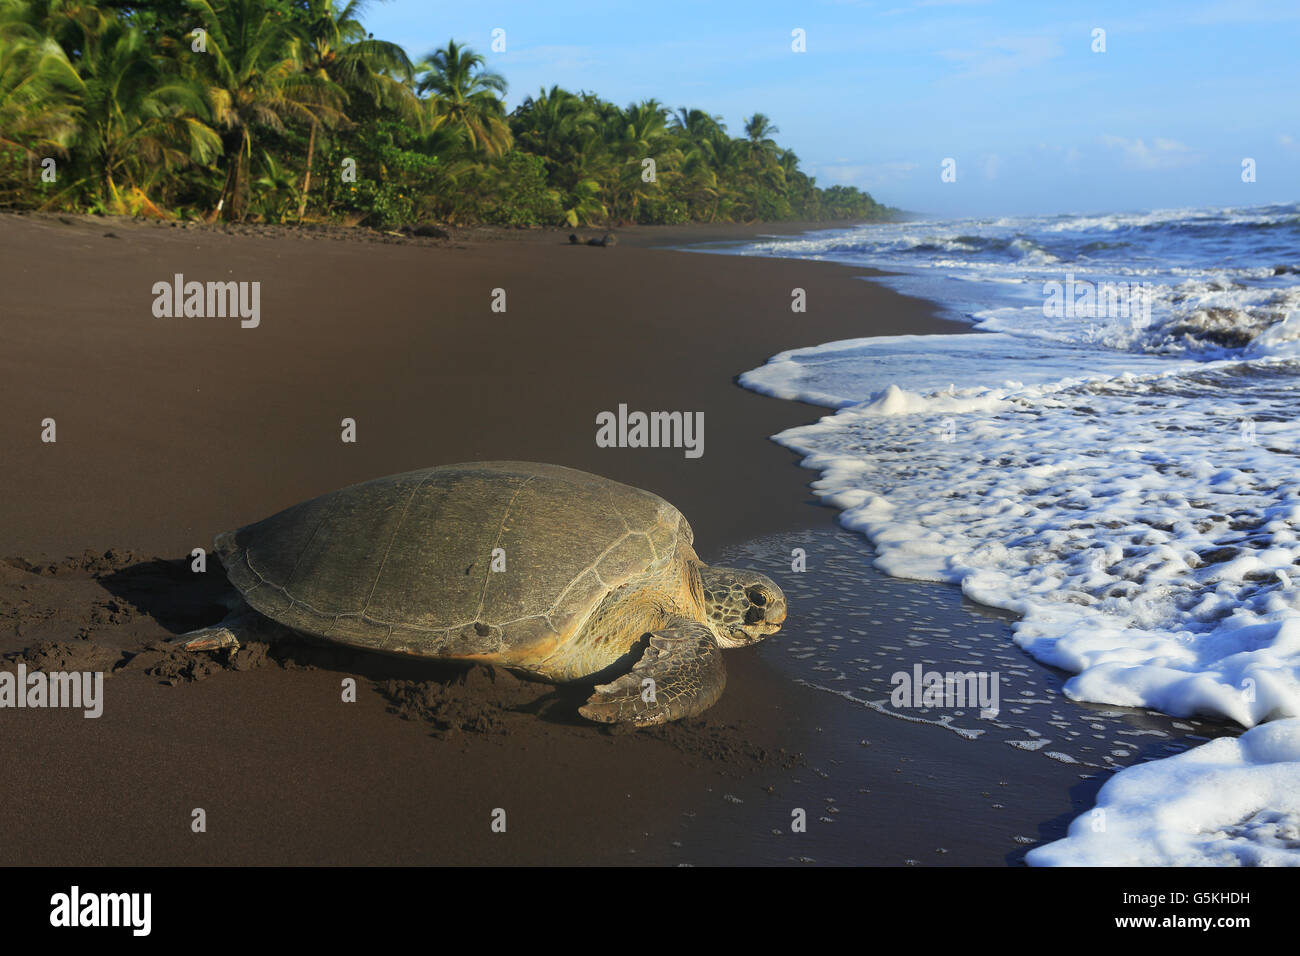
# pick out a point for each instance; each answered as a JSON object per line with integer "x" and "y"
{"x": 1012, "y": 91}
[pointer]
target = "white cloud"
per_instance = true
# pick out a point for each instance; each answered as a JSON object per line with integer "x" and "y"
{"x": 867, "y": 175}
{"x": 1005, "y": 55}
{"x": 1161, "y": 154}
{"x": 1070, "y": 155}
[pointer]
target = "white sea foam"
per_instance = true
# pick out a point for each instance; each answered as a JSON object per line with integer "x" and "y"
{"x": 1150, "y": 544}
{"x": 1230, "y": 802}
{"x": 845, "y": 373}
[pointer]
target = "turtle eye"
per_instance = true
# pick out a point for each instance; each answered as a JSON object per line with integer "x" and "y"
{"x": 756, "y": 596}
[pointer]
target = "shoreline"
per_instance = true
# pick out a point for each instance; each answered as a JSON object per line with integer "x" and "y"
{"x": 215, "y": 426}
{"x": 635, "y": 235}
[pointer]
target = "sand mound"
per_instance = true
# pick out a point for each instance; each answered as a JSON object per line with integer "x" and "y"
{"x": 483, "y": 700}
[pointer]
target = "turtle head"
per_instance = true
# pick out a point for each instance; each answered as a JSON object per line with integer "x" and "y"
{"x": 743, "y": 606}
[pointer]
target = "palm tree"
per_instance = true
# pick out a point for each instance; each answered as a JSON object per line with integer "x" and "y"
{"x": 700, "y": 133}
{"x": 333, "y": 45}
{"x": 70, "y": 23}
{"x": 563, "y": 129}
{"x": 467, "y": 97}
{"x": 730, "y": 157}
{"x": 550, "y": 124}
{"x": 697, "y": 126}
{"x": 634, "y": 135}
{"x": 39, "y": 90}
{"x": 255, "y": 79}
{"x": 764, "y": 177}
{"x": 759, "y": 131}
{"x": 136, "y": 116}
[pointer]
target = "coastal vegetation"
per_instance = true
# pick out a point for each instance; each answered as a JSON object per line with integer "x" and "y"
{"x": 290, "y": 110}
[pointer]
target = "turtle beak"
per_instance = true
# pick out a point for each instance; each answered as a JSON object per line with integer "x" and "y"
{"x": 776, "y": 615}
{"x": 766, "y": 608}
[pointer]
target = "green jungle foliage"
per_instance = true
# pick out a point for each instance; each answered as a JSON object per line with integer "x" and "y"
{"x": 289, "y": 110}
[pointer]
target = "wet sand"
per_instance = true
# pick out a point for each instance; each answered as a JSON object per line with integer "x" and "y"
{"x": 172, "y": 429}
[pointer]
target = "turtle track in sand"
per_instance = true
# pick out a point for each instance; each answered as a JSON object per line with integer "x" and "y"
{"x": 114, "y": 611}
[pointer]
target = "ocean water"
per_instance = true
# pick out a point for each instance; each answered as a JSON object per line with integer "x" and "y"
{"x": 940, "y": 785}
{"x": 1115, "y": 458}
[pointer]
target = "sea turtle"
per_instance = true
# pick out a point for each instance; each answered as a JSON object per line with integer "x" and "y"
{"x": 552, "y": 572}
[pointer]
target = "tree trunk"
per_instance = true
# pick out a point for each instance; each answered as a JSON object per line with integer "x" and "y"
{"x": 306, "y": 182}
{"x": 220, "y": 207}
{"x": 235, "y": 208}
{"x": 232, "y": 150}
{"x": 228, "y": 208}
{"x": 110, "y": 190}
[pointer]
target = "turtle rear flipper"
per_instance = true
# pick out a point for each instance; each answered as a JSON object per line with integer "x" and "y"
{"x": 207, "y": 639}
{"x": 681, "y": 674}
{"x": 239, "y": 625}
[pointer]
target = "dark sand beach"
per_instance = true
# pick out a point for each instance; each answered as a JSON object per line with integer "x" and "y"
{"x": 172, "y": 429}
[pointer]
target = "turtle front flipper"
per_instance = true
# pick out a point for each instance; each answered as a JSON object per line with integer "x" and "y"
{"x": 681, "y": 674}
